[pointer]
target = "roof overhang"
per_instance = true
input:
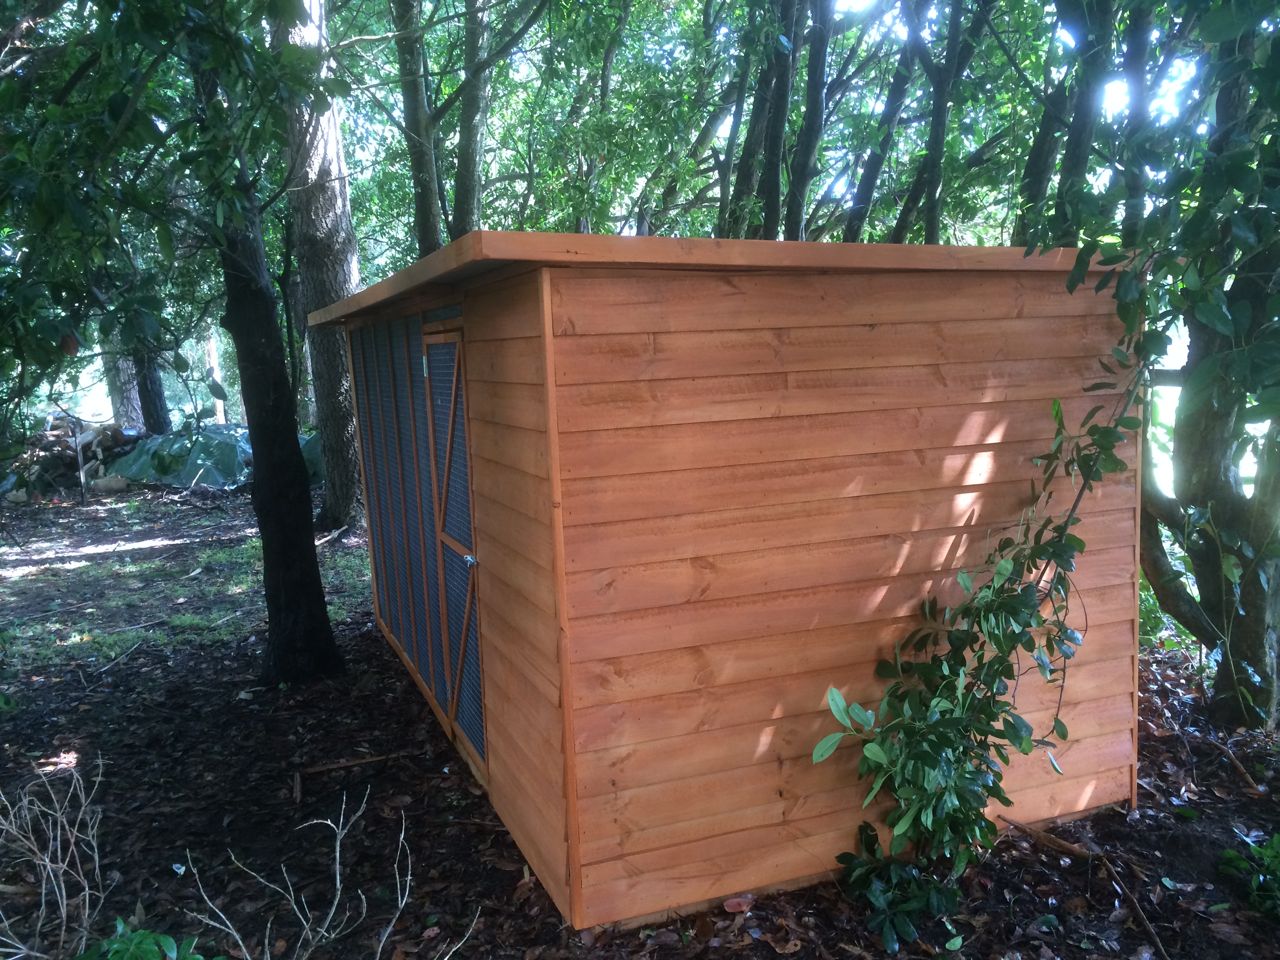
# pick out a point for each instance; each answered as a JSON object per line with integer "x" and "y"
{"x": 483, "y": 250}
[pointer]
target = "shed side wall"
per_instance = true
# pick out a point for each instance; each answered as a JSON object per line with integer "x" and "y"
{"x": 519, "y": 628}
{"x": 762, "y": 476}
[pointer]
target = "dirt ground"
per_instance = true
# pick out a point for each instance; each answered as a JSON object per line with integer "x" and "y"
{"x": 129, "y": 638}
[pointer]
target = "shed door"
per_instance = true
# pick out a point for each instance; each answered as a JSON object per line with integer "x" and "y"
{"x": 457, "y": 642}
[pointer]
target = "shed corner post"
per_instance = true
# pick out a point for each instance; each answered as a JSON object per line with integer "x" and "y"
{"x": 577, "y": 914}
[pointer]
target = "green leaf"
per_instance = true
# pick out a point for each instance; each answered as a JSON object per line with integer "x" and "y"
{"x": 164, "y": 240}
{"x": 1215, "y": 318}
{"x": 835, "y": 702}
{"x": 1003, "y": 569}
{"x": 215, "y": 388}
{"x": 1059, "y": 728}
{"x": 827, "y": 746}
{"x": 1053, "y": 761}
{"x": 965, "y": 581}
{"x": 180, "y": 363}
{"x": 875, "y": 753}
{"x": 1229, "y": 20}
{"x": 1231, "y": 568}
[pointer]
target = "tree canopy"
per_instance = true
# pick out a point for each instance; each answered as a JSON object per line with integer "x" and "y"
{"x": 146, "y": 170}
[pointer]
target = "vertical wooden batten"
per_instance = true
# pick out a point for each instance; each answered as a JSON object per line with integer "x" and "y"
{"x": 573, "y": 833}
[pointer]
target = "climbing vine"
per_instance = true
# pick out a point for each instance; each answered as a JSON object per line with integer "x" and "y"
{"x": 934, "y": 749}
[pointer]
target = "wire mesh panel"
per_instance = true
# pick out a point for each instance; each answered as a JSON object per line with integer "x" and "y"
{"x": 385, "y": 427}
{"x": 441, "y": 361}
{"x": 421, "y": 579}
{"x": 404, "y": 532}
{"x": 361, "y": 364}
{"x": 460, "y": 612}
{"x": 457, "y": 514}
{"x": 470, "y": 692}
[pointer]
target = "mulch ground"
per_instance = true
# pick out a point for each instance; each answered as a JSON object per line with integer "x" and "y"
{"x": 203, "y": 769}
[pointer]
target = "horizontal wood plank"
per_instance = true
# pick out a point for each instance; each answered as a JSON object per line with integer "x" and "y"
{"x": 691, "y": 446}
{"x": 643, "y": 586}
{"x": 534, "y": 583}
{"x": 523, "y": 450}
{"x": 521, "y": 533}
{"x": 667, "y": 302}
{"x": 540, "y": 631}
{"x": 511, "y": 487}
{"x": 506, "y": 361}
{"x": 667, "y": 493}
{"x": 1101, "y": 672}
{"x": 513, "y": 404}
{"x": 502, "y": 310}
{"x": 654, "y": 762}
{"x": 663, "y": 356}
{"x": 776, "y": 525}
{"x": 609, "y": 406}
{"x": 704, "y": 667}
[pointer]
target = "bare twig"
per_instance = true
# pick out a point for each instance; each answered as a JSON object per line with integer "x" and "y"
{"x": 1075, "y": 850}
{"x": 359, "y": 761}
{"x": 51, "y": 825}
{"x": 1252, "y": 786}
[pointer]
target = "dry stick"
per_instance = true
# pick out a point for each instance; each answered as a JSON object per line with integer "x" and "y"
{"x": 1075, "y": 850}
{"x": 329, "y": 538}
{"x": 1254, "y": 789}
{"x": 359, "y": 761}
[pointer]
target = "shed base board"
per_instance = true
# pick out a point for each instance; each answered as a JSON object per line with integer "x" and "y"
{"x": 675, "y": 913}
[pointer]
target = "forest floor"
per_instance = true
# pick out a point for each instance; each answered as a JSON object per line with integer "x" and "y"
{"x": 129, "y": 649}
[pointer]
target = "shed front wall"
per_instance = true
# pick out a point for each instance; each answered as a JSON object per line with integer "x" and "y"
{"x": 504, "y": 393}
{"x": 760, "y": 478}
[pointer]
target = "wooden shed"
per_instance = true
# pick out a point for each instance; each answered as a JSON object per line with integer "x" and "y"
{"x": 635, "y": 503}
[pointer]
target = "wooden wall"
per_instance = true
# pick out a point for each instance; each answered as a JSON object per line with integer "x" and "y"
{"x": 519, "y": 622}
{"x": 760, "y": 478}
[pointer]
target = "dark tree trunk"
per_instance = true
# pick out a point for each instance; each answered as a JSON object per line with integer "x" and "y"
{"x": 328, "y": 270}
{"x": 805, "y": 156}
{"x": 473, "y": 114}
{"x": 155, "y": 409}
{"x": 1091, "y": 23}
{"x": 122, "y": 385}
{"x": 958, "y": 52}
{"x": 428, "y": 214}
{"x": 300, "y": 642}
{"x": 785, "y": 57}
{"x": 724, "y": 213}
{"x": 1042, "y": 156}
{"x": 1137, "y": 45}
{"x": 1224, "y": 531}
{"x": 893, "y": 104}
{"x": 747, "y": 169}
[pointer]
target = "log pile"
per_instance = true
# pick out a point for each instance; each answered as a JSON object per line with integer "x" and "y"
{"x": 69, "y": 456}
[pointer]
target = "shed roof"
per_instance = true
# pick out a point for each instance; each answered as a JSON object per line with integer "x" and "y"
{"x": 483, "y": 250}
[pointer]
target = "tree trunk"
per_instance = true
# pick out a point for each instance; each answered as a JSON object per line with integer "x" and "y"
{"x": 1037, "y": 170}
{"x": 725, "y": 208}
{"x": 428, "y": 215}
{"x": 747, "y": 169}
{"x": 474, "y": 112}
{"x": 300, "y": 641}
{"x": 1091, "y": 23}
{"x": 785, "y": 57}
{"x": 805, "y": 156}
{"x": 155, "y": 408}
{"x": 894, "y": 101}
{"x": 122, "y": 385}
{"x": 328, "y": 270}
{"x": 1137, "y": 45}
